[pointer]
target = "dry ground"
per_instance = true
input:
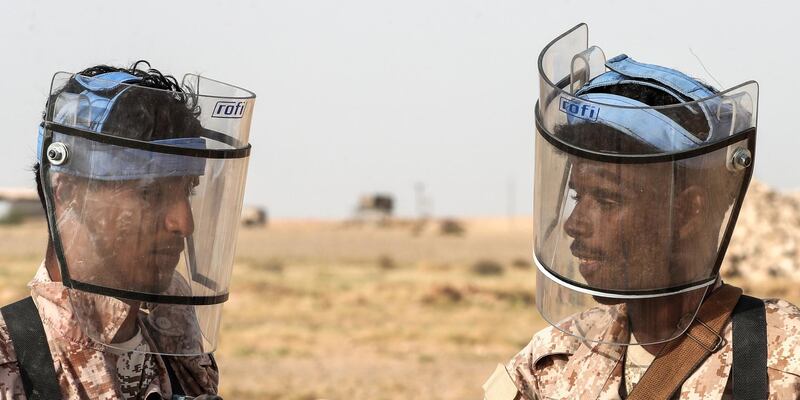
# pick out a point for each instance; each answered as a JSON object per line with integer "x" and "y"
{"x": 319, "y": 310}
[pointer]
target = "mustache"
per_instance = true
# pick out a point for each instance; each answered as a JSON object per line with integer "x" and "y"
{"x": 581, "y": 250}
{"x": 170, "y": 247}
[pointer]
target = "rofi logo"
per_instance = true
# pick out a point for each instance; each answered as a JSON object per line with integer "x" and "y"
{"x": 578, "y": 109}
{"x": 228, "y": 109}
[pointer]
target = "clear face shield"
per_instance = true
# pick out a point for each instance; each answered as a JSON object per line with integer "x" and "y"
{"x": 634, "y": 204}
{"x": 144, "y": 190}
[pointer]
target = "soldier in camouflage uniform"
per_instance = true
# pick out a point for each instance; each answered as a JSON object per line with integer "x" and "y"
{"x": 555, "y": 365}
{"x": 89, "y": 370}
{"x": 640, "y": 174}
{"x": 142, "y": 180}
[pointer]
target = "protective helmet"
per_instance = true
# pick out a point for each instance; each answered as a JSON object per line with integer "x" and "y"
{"x": 144, "y": 189}
{"x": 640, "y": 172}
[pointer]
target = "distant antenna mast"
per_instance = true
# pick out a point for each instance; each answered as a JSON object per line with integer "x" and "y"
{"x": 422, "y": 201}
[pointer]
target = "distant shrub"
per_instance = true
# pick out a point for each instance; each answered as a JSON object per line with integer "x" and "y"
{"x": 521, "y": 263}
{"x": 443, "y": 294}
{"x": 271, "y": 265}
{"x": 487, "y": 268}
{"x": 515, "y": 296}
{"x": 386, "y": 262}
{"x": 426, "y": 358}
{"x": 12, "y": 218}
{"x": 452, "y": 227}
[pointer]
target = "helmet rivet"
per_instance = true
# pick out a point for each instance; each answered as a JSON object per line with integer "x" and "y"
{"x": 742, "y": 158}
{"x": 57, "y": 153}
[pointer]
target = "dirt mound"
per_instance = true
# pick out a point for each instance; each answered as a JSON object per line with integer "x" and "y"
{"x": 766, "y": 241}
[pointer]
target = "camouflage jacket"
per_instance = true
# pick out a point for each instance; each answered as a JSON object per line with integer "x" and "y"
{"x": 555, "y": 365}
{"x": 84, "y": 368}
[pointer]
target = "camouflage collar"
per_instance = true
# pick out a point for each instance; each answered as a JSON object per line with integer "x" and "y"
{"x": 54, "y": 301}
{"x": 613, "y": 323}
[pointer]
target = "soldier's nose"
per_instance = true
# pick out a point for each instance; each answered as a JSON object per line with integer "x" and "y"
{"x": 178, "y": 218}
{"x": 577, "y": 224}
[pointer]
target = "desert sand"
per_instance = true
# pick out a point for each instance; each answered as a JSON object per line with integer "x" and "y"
{"x": 330, "y": 310}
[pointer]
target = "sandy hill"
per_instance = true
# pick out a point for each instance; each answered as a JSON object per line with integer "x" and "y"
{"x": 766, "y": 242}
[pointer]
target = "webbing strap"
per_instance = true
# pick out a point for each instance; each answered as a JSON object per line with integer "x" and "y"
{"x": 177, "y": 389}
{"x": 33, "y": 354}
{"x": 680, "y": 357}
{"x": 749, "y": 370}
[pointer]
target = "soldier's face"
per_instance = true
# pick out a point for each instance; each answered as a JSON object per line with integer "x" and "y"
{"x": 128, "y": 234}
{"x": 620, "y": 223}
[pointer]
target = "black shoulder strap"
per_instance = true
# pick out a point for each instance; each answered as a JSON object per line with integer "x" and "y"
{"x": 173, "y": 378}
{"x": 749, "y": 370}
{"x": 33, "y": 354}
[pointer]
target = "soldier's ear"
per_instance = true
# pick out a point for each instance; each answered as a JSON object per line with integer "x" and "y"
{"x": 690, "y": 211}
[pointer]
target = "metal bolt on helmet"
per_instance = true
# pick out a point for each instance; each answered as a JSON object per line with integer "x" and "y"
{"x": 57, "y": 153}
{"x": 742, "y": 158}
{"x": 640, "y": 172}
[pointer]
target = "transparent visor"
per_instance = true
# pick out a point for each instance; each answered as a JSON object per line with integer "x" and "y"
{"x": 634, "y": 206}
{"x": 144, "y": 190}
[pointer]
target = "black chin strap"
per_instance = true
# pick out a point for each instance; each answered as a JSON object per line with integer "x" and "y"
{"x": 33, "y": 354}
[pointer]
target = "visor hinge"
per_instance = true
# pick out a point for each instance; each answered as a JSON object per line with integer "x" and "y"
{"x": 719, "y": 341}
{"x": 57, "y": 153}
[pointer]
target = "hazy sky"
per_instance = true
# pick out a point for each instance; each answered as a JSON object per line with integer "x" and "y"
{"x": 365, "y": 96}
